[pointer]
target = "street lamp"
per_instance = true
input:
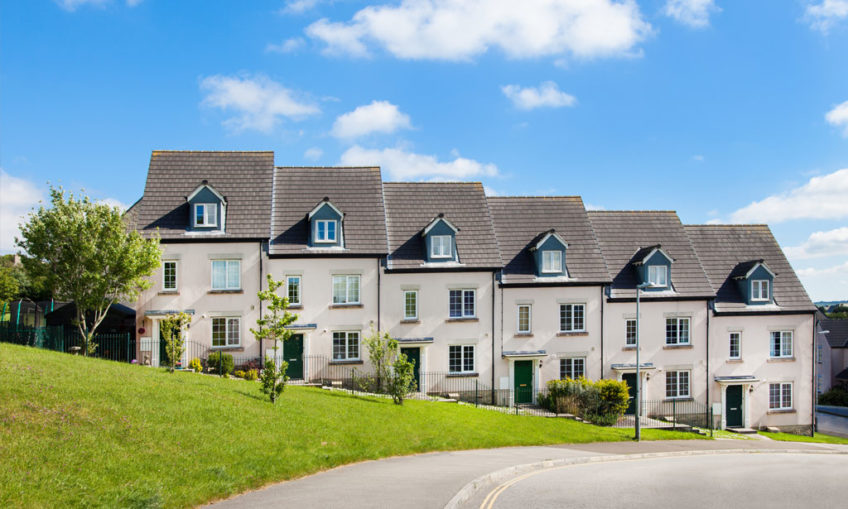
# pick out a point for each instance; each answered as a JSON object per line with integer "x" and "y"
{"x": 639, "y": 289}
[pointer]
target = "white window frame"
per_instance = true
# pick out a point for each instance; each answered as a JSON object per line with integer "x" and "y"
{"x": 678, "y": 320}
{"x": 347, "y": 297}
{"x": 227, "y": 338}
{"x": 227, "y": 283}
{"x": 730, "y": 337}
{"x": 348, "y": 336}
{"x": 444, "y": 244}
{"x": 784, "y": 388}
{"x": 299, "y": 279}
{"x": 548, "y": 258}
{"x": 463, "y": 357}
{"x": 205, "y": 215}
{"x": 654, "y": 272}
{"x": 782, "y": 351}
{"x": 760, "y": 290}
{"x": 406, "y": 315}
{"x": 463, "y": 310}
{"x": 573, "y": 315}
{"x": 529, "y": 328}
{"x": 326, "y": 238}
{"x": 165, "y": 287}
{"x": 678, "y": 394}
{"x": 571, "y": 360}
{"x": 627, "y": 323}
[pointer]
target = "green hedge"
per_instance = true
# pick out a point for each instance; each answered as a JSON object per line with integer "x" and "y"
{"x": 214, "y": 362}
{"x": 602, "y": 402}
{"x": 837, "y": 396}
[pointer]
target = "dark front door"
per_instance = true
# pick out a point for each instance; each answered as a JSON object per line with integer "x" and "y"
{"x": 293, "y": 354}
{"x": 523, "y": 382}
{"x": 733, "y": 397}
{"x": 630, "y": 378}
{"x": 413, "y": 355}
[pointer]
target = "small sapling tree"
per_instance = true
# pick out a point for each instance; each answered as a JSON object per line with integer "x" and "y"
{"x": 273, "y": 327}
{"x": 393, "y": 371}
{"x": 173, "y": 327}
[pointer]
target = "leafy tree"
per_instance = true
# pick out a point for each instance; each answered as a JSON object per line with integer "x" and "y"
{"x": 273, "y": 327}
{"x": 172, "y": 327}
{"x": 402, "y": 379}
{"x": 87, "y": 254}
{"x": 10, "y": 287}
{"x": 393, "y": 372}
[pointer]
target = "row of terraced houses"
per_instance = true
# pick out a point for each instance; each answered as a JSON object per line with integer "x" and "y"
{"x": 509, "y": 291}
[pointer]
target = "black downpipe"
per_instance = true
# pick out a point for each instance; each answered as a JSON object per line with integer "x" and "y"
{"x": 814, "y": 352}
{"x": 602, "y": 330}
{"x": 379, "y": 291}
{"x": 261, "y": 350}
{"x": 709, "y": 401}
{"x": 494, "y": 289}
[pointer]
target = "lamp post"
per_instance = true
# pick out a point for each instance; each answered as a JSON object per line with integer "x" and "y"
{"x": 639, "y": 289}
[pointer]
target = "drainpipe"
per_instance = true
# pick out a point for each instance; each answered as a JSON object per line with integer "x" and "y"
{"x": 601, "y": 288}
{"x": 379, "y": 291}
{"x": 261, "y": 350}
{"x": 494, "y": 287}
{"x": 709, "y": 402}
{"x": 813, "y": 409}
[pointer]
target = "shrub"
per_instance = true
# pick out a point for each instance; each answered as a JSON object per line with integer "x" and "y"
{"x": 215, "y": 360}
{"x": 836, "y": 396}
{"x": 602, "y": 402}
{"x": 274, "y": 379}
{"x": 401, "y": 379}
{"x": 238, "y": 373}
{"x": 251, "y": 375}
{"x": 196, "y": 365}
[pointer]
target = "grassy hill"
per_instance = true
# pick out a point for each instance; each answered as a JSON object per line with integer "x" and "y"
{"x": 86, "y": 432}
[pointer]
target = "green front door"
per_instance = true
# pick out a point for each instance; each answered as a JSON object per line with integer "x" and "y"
{"x": 733, "y": 412}
{"x": 293, "y": 354}
{"x": 630, "y": 378}
{"x": 413, "y": 355}
{"x": 523, "y": 382}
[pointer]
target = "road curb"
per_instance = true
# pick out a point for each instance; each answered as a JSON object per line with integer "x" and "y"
{"x": 469, "y": 490}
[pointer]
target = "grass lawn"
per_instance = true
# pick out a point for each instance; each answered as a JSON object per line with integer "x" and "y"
{"x": 86, "y": 432}
{"x": 819, "y": 438}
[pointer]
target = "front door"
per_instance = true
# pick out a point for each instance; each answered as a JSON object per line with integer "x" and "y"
{"x": 733, "y": 398}
{"x": 523, "y": 382}
{"x": 630, "y": 378}
{"x": 413, "y": 355}
{"x": 293, "y": 354}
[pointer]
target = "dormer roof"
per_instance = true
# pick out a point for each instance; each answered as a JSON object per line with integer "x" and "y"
{"x": 205, "y": 185}
{"x": 325, "y": 202}
{"x": 745, "y": 269}
{"x": 544, "y": 236}
{"x": 436, "y": 220}
{"x": 643, "y": 254}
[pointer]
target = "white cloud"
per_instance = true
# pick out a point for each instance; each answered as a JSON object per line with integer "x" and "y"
{"x": 841, "y": 269}
{"x": 698, "y": 158}
{"x": 838, "y": 117}
{"x": 403, "y": 165}
{"x": 313, "y": 154}
{"x": 377, "y": 117}
{"x": 299, "y": 6}
{"x": 72, "y": 5}
{"x": 824, "y": 16}
{"x": 825, "y": 283}
{"x": 546, "y": 95}
{"x": 460, "y": 30}
{"x": 590, "y": 206}
{"x": 287, "y": 46}
{"x": 820, "y": 198}
{"x": 490, "y": 191}
{"x": 17, "y": 197}
{"x": 821, "y": 244}
{"x": 258, "y": 102}
{"x": 114, "y": 202}
{"x": 133, "y": 3}
{"x": 692, "y": 13}
{"x": 715, "y": 220}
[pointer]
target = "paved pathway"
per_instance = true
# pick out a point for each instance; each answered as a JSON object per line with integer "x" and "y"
{"x": 431, "y": 480}
{"x": 831, "y": 424}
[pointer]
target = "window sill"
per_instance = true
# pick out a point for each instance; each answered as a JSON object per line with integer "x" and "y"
{"x": 228, "y": 348}
{"x": 575, "y": 333}
{"x": 341, "y": 363}
{"x": 295, "y": 306}
{"x": 217, "y": 292}
{"x": 677, "y": 347}
{"x": 676, "y": 400}
{"x": 629, "y": 348}
{"x": 345, "y": 306}
{"x": 410, "y": 321}
{"x": 780, "y": 359}
{"x": 523, "y": 335}
{"x": 168, "y": 292}
{"x": 734, "y": 361}
{"x": 462, "y": 375}
{"x": 469, "y": 319}
{"x": 786, "y": 411}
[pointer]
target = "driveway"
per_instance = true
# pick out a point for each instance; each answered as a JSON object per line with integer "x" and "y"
{"x": 832, "y": 420}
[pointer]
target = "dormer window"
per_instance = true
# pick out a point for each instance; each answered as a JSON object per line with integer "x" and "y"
{"x": 326, "y": 226}
{"x": 755, "y": 282}
{"x": 658, "y": 275}
{"x": 552, "y": 261}
{"x": 207, "y": 209}
{"x": 653, "y": 268}
{"x": 440, "y": 240}
{"x": 548, "y": 250}
{"x": 205, "y": 214}
{"x": 760, "y": 290}
{"x": 325, "y": 231}
{"x": 441, "y": 246}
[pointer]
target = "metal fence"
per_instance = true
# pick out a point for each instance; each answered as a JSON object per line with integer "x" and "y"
{"x": 111, "y": 346}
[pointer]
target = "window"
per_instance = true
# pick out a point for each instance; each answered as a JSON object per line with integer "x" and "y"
{"x": 345, "y": 289}
{"x": 169, "y": 276}
{"x": 677, "y": 331}
{"x": 760, "y": 289}
{"x": 226, "y": 274}
{"x": 572, "y": 317}
{"x": 325, "y": 230}
{"x": 346, "y": 346}
{"x": 524, "y": 319}
{"x": 780, "y": 396}
{"x": 781, "y": 343}
{"x": 461, "y": 358}
{"x": 552, "y": 261}
{"x": 677, "y": 384}
{"x": 572, "y": 368}
{"x": 410, "y": 305}
{"x": 226, "y": 331}
{"x": 205, "y": 214}
{"x": 658, "y": 275}
{"x": 630, "y": 333}
{"x": 293, "y": 290}
{"x": 440, "y": 246}
{"x": 819, "y": 355}
{"x": 735, "y": 345}
{"x": 462, "y": 303}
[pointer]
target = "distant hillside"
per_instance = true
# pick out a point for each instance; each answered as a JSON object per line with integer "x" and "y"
{"x": 831, "y": 302}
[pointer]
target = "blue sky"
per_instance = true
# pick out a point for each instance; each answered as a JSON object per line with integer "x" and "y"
{"x": 724, "y": 111}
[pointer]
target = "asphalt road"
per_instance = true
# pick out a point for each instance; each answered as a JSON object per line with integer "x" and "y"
{"x": 726, "y": 480}
{"x": 830, "y": 424}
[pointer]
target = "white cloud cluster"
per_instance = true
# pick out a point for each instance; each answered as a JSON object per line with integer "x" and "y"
{"x": 462, "y": 29}
{"x": 17, "y": 197}
{"x": 299, "y": 6}
{"x": 824, "y": 16}
{"x": 287, "y": 46}
{"x": 258, "y": 102}
{"x": 820, "y": 198}
{"x": 546, "y": 95}
{"x": 313, "y": 153}
{"x": 377, "y": 117}
{"x": 838, "y": 117}
{"x": 821, "y": 244}
{"x": 403, "y": 165}
{"x": 692, "y": 13}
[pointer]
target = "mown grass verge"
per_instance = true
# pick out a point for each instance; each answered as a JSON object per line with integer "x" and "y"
{"x": 819, "y": 438}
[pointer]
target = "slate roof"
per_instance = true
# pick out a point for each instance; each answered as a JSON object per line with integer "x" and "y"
{"x": 621, "y": 234}
{"x": 410, "y": 206}
{"x": 721, "y": 248}
{"x": 244, "y": 178}
{"x": 356, "y": 191}
{"x": 520, "y": 222}
{"x": 838, "y": 335}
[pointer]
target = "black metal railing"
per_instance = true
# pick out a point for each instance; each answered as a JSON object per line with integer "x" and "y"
{"x": 111, "y": 346}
